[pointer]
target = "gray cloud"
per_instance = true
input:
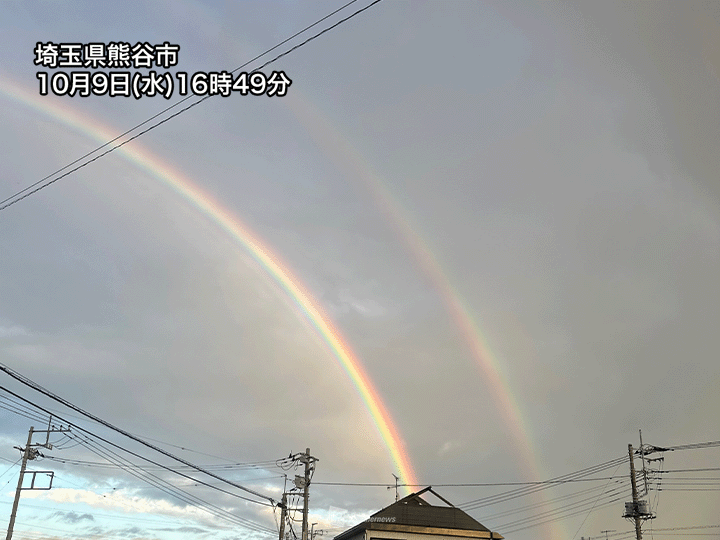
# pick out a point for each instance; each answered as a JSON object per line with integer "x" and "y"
{"x": 73, "y": 517}
{"x": 547, "y": 182}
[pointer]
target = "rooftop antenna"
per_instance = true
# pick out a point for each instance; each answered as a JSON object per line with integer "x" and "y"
{"x": 396, "y": 486}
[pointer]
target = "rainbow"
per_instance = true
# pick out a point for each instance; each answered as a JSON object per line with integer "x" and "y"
{"x": 338, "y": 148}
{"x": 232, "y": 225}
{"x": 347, "y": 158}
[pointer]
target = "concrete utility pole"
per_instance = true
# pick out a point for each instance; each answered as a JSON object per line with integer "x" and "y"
{"x": 309, "y": 465}
{"x": 26, "y": 456}
{"x": 636, "y": 509}
{"x": 30, "y": 453}
{"x": 283, "y": 514}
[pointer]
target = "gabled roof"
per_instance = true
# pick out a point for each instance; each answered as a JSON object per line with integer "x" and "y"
{"x": 415, "y": 514}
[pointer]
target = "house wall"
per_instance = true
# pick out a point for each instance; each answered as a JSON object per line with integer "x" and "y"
{"x": 358, "y": 536}
{"x": 392, "y": 535}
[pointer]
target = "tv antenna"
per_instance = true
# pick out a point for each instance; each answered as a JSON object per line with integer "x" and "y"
{"x": 396, "y": 486}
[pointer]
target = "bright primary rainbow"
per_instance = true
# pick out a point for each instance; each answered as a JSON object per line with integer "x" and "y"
{"x": 260, "y": 252}
{"x": 348, "y": 159}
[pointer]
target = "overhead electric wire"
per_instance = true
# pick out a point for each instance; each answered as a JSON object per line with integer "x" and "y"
{"x": 20, "y": 413}
{"x": 547, "y": 502}
{"x": 233, "y": 464}
{"x": 169, "y": 489}
{"x": 31, "y": 384}
{"x": 567, "y": 511}
{"x": 534, "y": 488}
{"x": 11, "y": 467}
{"x": 85, "y": 463}
{"x": 166, "y": 109}
{"x": 616, "y": 536}
{"x": 694, "y": 446}
{"x": 167, "y": 468}
{"x": 651, "y": 449}
{"x": 555, "y": 519}
{"x": 576, "y": 506}
{"x": 249, "y": 464}
{"x": 37, "y": 186}
{"x": 593, "y": 507}
{"x": 690, "y": 482}
{"x": 689, "y": 489}
{"x": 705, "y": 469}
{"x": 21, "y": 410}
{"x": 475, "y": 484}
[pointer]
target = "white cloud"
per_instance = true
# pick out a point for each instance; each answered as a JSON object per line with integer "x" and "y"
{"x": 449, "y": 446}
{"x": 13, "y": 331}
{"x": 121, "y": 501}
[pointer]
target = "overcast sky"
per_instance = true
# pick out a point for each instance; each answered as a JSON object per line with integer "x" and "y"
{"x": 510, "y": 213}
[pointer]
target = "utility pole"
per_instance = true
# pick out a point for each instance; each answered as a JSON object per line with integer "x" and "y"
{"x": 26, "y": 456}
{"x": 309, "y": 466}
{"x": 636, "y": 510}
{"x": 606, "y": 533}
{"x": 30, "y": 453}
{"x": 283, "y": 514}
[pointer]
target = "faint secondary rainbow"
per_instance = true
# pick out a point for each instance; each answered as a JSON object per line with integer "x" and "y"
{"x": 347, "y": 158}
{"x": 260, "y": 252}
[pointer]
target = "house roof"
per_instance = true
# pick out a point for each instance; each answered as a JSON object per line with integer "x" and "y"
{"x": 415, "y": 514}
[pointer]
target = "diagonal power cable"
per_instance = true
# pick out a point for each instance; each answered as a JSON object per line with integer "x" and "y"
{"x": 27, "y": 382}
{"x": 39, "y": 185}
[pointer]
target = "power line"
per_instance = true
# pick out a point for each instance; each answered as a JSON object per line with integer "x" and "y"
{"x": 593, "y": 507}
{"x": 561, "y": 517}
{"x": 560, "y": 480}
{"x": 84, "y": 463}
{"x": 39, "y": 185}
{"x": 567, "y": 510}
{"x": 546, "y": 502}
{"x": 168, "y": 488}
{"x": 695, "y": 446}
{"x": 11, "y": 467}
{"x": 21, "y": 410}
{"x": 170, "y": 469}
{"x": 476, "y": 484}
{"x": 262, "y": 464}
{"x": 690, "y": 470}
{"x": 31, "y": 384}
{"x": 649, "y": 449}
{"x": 152, "y": 479}
{"x": 175, "y": 104}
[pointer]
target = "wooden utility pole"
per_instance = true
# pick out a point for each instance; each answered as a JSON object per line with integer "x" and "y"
{"x": 636, "y": 509}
